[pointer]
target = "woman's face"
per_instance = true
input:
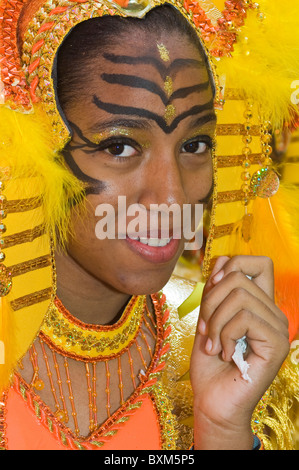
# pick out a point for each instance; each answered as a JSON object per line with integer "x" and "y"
{"x": 143, "y": 130}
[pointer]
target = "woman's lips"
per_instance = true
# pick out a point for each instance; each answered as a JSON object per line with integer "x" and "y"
{"x": 156, "y": 250}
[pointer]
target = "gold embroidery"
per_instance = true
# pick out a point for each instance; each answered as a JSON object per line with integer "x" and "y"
{"x": 24, "y": 237}
{"x": 270, "y": 420}
{"x": 88, "y": 342}
{"x": 246, "y": 227}
{"x": 237, "y": 129}
{"x": 21, "y": 205}
{"x": 31, "y": 265}
{"x": 222, "y": 230}
{"x": 31, "y": 299}
{"x": 232, "y": 196}
{"x": 208, "y": 250}
{"x": 225, "y": 161}
{"x": 166, "y": 418}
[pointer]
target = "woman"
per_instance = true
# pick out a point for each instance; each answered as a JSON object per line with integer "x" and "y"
{"x": 137, "y": 97}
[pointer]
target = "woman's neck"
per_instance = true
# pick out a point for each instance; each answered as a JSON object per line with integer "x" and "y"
{"x": 84, "y": 296}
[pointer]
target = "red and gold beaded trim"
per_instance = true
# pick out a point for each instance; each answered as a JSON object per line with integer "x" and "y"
{"x": 149, "y": 386}
{"x": 13, "y": 78}
{"x": 69, "y": 336}
{"x": 167, "y": 420}
{"x": 219, "y": 39}
{"x": 3, "y": 440}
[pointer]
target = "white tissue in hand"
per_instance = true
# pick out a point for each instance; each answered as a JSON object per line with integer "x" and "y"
{"x": 238, "y": 358}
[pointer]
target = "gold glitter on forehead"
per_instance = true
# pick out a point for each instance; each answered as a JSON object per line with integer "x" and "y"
{"x": 164, "y": 54}
{"x": 168, "y": 86}
{"x": 169, "y": 114}
{"x": 170, "y": 110}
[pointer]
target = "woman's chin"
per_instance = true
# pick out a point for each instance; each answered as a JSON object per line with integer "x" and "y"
{"x": 146, "y": 283}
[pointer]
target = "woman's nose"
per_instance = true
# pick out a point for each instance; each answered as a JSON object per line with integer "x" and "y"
{"x": 163, "y": 183}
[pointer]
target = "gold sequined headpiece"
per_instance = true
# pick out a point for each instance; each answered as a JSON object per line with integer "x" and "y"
{"x": 27, "y": 80}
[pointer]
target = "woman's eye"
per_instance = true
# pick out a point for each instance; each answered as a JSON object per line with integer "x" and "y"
{"x": 195, "y": 146}
{"x": 121, "y": 150}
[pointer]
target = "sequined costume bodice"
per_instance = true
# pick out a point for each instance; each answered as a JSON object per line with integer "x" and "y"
{"x": 122, "y": 367}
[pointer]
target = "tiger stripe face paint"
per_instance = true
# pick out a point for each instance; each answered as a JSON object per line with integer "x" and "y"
{"x": 155, "y": 88}
{"x": 143, "y": 129}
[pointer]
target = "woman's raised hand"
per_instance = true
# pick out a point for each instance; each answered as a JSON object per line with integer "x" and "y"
{"x": 237, "y": 301}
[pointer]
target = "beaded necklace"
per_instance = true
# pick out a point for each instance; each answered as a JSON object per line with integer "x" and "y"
{"x": 114, "y": 362}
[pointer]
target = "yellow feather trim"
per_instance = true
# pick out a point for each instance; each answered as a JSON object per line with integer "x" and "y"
{"x": 27, "y": 149}
{"x": 265, "y": 61}
{"x": 35, "y": 171}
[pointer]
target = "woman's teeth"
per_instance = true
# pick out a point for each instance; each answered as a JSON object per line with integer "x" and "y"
{"x": 153, "y": 241}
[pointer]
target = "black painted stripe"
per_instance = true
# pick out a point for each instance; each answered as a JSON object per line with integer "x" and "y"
{"x": 163, "y": 70}
{"x": 139, "y": 82}
{"x": 144, "y": 113}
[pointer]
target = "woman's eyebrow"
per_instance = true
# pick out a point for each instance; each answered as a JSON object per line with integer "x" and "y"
{"x": 113, "y": 108}
{"x": 210, "y": 119}
{"x": 100, "y": 126}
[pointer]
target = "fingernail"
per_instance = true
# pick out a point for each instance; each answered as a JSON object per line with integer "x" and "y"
{"x": 209, "y": 345}
{"x": 218, "y": 276}
{"x": 202, "y": 326}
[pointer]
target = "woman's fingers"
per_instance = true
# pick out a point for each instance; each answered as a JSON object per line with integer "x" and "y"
{"x": 237, "y": 301}
{"x": 264, "y": 341}
{"x": 220, "y": 262}
{"x": 241, "y": 285}
{"x": 259, "y": 268}
{"x": 239, "y": 288}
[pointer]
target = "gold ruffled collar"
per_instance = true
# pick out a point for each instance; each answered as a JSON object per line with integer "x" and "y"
{"x": 69, "y": 336}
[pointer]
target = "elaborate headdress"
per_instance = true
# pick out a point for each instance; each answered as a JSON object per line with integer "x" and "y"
{"x": 255, "y": 51}
{"x": 255, "y": 47}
